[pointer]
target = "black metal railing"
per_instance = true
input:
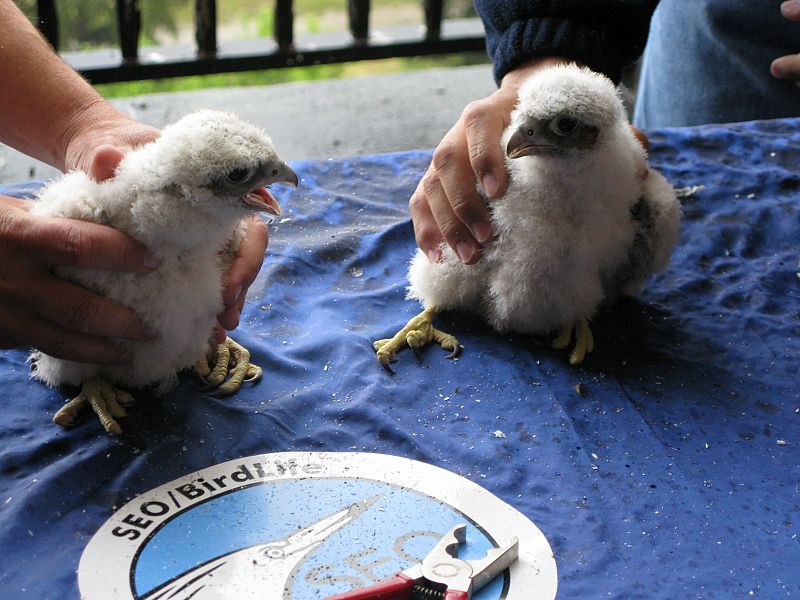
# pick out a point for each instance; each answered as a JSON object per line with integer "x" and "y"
{"x": 208, "y": 56}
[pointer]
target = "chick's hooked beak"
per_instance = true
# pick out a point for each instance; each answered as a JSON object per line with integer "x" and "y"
{"x": 261, "y": 199}
{"x": 521, "y": 144}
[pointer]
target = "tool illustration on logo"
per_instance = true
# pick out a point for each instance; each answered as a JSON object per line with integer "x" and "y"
{"x": 441, "y": 575}
{"x": 260, "y": 571}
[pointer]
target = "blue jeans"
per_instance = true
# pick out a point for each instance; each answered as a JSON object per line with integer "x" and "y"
{"x": 707, "y": 61}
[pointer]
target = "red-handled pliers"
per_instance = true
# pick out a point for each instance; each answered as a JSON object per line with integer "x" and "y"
{"x": 441, "y": 575}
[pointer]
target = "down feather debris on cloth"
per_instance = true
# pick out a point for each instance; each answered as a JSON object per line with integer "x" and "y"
{"x": 184, "y": 196}
{"x": 583, "y": 222}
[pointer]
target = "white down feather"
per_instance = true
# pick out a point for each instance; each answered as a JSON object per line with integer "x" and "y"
{"x": 160, "y": 196}
{"x": 564, "y": 222}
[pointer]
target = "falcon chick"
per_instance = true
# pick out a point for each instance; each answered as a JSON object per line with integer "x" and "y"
{"x": 184, "y": 196}
{"x": 584, "y": 221}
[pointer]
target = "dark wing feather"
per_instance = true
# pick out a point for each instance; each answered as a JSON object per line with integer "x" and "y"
{"x": 627, "y": 277}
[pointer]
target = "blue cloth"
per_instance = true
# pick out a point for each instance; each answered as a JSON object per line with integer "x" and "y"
{"x": 709, "y": 61}
{"x": 674, "y": 475}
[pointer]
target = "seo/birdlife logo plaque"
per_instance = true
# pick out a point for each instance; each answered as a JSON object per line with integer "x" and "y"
{"x": 303, "y": 526}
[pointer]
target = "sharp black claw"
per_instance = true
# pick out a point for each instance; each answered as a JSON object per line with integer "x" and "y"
{"x": 456, "y": 351}
{"x": 416, "y": 353}
{"x": 387, "y": 368}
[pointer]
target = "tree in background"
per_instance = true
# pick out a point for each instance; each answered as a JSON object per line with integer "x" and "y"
{"x": 85, "y": 24}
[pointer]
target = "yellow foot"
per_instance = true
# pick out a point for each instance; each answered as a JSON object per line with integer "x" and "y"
{"x": 226, "y": 367}
{"x": 584, "y": 341}
{"x": 418, "y": 332}
{"x": 106, "y": 401}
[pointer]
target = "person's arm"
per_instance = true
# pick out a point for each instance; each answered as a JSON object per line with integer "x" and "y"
{"x": 49, "y": 112}
{"x": 521, "y": 38}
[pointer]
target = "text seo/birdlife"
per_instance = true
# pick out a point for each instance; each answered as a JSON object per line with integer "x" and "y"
{"x": 200, "y": 489}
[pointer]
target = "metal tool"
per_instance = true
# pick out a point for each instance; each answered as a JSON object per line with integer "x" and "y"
{"x": 441, "y": 575}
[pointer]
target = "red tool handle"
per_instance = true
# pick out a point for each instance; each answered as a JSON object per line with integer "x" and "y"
{"x": 455, "y": 595}
{"x": 397, "y": 588}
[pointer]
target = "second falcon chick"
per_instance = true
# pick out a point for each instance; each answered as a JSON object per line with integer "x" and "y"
{"x": 584, "y": 221}
{"x": 184, "y": 196}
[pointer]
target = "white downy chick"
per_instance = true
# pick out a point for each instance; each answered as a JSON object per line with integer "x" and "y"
{"x": 184, "y": 196}
{"x": 584, "y": 221}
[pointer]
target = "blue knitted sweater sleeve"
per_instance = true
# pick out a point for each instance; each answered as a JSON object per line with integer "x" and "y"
{"x": 606, "y": 35}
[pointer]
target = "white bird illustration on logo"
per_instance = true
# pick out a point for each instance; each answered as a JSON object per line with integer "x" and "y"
{"x": 258, "y": 572}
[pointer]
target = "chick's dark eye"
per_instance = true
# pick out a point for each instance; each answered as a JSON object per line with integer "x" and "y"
{"x": 564, "y": 125}
{"x": 238, "y": 175}
{"x": 275, "y": 172}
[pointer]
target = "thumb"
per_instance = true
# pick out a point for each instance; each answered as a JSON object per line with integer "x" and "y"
{"x": 105, "y": 162}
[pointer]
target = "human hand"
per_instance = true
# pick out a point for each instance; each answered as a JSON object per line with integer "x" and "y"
{"x": 61, "y": 318}
{"x": 788, "y": 67}
{"x": 243, "y": 271}
{"x": 446, "y": 205}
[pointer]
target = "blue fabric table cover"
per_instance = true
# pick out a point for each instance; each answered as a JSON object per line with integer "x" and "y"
{"x": 675, "y": 474}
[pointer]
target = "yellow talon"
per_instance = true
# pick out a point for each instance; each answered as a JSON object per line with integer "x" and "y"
{"x": 417, "y": 333}
{"x": 584, "y": 341}
{"x": 226, "y": 367}
{"x": 106, "y": 401}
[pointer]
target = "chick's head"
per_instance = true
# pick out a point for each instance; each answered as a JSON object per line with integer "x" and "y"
{"x": 216, "y": 162}
{"x": 564, "y": 111}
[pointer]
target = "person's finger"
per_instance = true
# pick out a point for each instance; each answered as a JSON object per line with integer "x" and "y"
{"x": 120, "y": 134}
{"x": 247, "y": 261}
{"x": 70, "y": 242}
{"x": 791, "y": 9}
{"x": 230, "y": 317}
{"x": 426, "y": 231}
{"x": 104, "y": 162}
{"x": 786, "y": 67}
{"x": 34, "y": 331}
{"x": 79, "y": 310}
{"x": 21, "y": 203}
{"x": 484, "y": 123}
{"x": 443, "y": 207}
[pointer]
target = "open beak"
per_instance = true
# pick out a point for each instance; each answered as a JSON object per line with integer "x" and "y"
{"x": 261, "y": 199}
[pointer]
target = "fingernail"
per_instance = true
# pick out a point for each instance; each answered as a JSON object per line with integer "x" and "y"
{"x": 790, "y": 8}
{"x": 482, "y": 232}
{"x": 151, "y": 261}
{"x": 434, "y": 255}
{"x": 464, "y": 251}
{"x": 489, "y": 185}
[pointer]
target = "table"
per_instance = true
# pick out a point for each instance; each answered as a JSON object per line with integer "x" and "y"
{"x": 671, "y": 471}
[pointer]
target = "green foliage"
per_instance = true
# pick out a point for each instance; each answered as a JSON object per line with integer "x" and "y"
{"x": 265, "y": 19}
{"x": 85, "y": 24}
{"x": 378, "y": 67}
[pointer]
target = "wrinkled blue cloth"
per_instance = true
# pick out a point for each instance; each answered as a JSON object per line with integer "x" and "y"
{"x": 674, "y": 474}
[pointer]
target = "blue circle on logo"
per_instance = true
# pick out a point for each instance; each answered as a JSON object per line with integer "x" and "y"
{"x": 317, "y": 537}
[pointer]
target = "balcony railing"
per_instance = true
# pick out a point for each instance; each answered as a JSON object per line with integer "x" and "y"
{"x": 130, "y": 62}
